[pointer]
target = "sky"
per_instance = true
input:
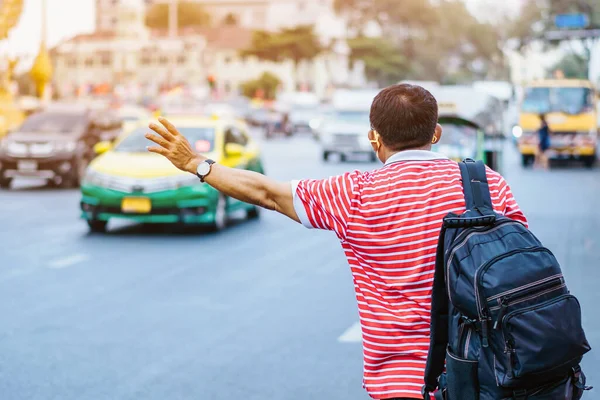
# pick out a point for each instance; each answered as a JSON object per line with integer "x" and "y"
{"x": 67, "y": 18}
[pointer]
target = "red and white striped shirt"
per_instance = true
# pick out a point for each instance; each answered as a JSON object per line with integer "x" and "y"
{"x": 388, "y": 221}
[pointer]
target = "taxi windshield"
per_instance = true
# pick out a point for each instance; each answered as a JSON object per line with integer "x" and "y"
{"x": 54, "y": 122}
{"x": 569, "y": 100}
{"x": 201, "y": 138}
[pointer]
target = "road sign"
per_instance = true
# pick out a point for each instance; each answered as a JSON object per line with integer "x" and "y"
{"x": 571, "y": 21}
{"x": 572, "y": 34}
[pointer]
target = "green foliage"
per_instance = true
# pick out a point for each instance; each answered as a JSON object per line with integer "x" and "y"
{"x": 537, "y": 16}
{"x": 435, "y": 39}
{"x": 189, "y": 14}
{"x": 268, "y": 83}
{"x": 383, "y": 61}
{"x": 410, "y": 14}
{"x": 297, "y": 44}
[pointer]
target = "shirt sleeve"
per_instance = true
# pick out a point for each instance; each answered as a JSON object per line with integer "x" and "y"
{"x": 511, "y": 208}
{"x": 327, "y": 203}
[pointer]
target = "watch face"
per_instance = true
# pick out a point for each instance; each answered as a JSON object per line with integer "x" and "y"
{"x": 203, "y": 168}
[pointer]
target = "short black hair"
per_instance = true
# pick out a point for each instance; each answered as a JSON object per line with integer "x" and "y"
{"x": 405, "y": 116}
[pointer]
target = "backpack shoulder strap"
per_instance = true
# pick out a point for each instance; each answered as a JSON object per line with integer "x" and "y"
{"x": 475, "y": 186}
{"x": 438, "y": 337}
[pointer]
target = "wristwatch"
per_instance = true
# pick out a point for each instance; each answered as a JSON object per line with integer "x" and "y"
{"x": 204, "y": 169}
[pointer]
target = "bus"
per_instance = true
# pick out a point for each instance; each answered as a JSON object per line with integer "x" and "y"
{"x": 570, "y": 109}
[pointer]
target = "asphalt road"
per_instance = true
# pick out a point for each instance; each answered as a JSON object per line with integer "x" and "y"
{"x": 263, "y": 310}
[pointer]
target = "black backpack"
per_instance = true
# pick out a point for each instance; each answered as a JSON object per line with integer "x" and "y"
{"x": 502, "y": 317}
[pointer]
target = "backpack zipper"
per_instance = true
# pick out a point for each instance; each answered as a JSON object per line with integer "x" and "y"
{"x": 525, "y": 295}
{"x": 467, "y": 236}
{"x": 482, "y": 308}
{"x": 520, "y": 288}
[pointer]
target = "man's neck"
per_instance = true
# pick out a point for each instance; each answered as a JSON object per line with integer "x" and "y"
{"x": 389, "y": 153}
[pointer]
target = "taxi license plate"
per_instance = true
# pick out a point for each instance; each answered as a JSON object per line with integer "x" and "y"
{"x": 27, "y": 165}
{"x": 141, "y": 205}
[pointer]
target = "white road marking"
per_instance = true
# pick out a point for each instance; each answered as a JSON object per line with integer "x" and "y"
{"x": 352, "y": 334}
{"x": 68, "y": 261}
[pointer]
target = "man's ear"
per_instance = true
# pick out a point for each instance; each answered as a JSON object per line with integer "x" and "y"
{"x": 438, "y": 133}
{"x": 371, "y": 134}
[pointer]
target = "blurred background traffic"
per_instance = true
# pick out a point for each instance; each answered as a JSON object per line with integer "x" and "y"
{"x": 124, "y": 278}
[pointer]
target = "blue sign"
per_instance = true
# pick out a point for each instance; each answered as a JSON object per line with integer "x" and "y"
{"x": 571, "y": 21}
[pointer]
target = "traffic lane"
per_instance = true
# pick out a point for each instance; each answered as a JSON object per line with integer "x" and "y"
{"x": 126, "y": 306}
{"x": 134, "y": 331}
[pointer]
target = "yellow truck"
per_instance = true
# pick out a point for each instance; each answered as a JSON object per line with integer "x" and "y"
{"x": 570, "y": 109}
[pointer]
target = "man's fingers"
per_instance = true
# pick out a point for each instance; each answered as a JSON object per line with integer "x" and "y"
{"x": 158, "y": 150}
{"x": 157, "y": 139}
{"x": 161, "y": 131}
{"x": 170, "y": 127}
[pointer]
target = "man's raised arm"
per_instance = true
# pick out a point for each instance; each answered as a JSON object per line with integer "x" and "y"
{"x": 247, "y": 186}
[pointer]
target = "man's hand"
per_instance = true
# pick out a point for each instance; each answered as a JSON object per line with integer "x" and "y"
{"x": 174, "y": 146}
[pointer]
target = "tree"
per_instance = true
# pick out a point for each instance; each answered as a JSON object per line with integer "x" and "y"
{"x": 297, "y": 44}
{"x": 537, "y": 17}
{"x": 383, "y": 61}
{"x": 189, "y": 14}
{"x": 458, "y": 48}
{"x": 436, "y": 38}
{"x": 267, "y": 83}
{"x": 411, "y": 16}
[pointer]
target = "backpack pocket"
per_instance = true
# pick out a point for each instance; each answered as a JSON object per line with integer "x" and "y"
{"x": 541, "y": 341}
{"x": 461, "y": 378}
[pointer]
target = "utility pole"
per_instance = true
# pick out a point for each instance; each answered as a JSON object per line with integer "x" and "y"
{"x": 173, "y": 33}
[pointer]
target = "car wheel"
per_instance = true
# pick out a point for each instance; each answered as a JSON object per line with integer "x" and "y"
{"x": 5, "y": 182}
{"x": 325, "y": 155}
{"x": 253, "y": 213}
{"x": 589, "y": 161}
{"x": 97, "y": 226}
{"x": 373, "y": 157}
{"x": 526, "y": 160}
{"x": 220, "y": 221}
{"x": 343, "y": 157}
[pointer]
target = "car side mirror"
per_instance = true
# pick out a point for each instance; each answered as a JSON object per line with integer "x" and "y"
{"x": 234, "y": 150}
{"x": 102, "y": 147}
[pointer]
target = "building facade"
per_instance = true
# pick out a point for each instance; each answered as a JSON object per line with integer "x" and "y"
{"x": 155, "y": 59}
{"x": 251, "y": 14}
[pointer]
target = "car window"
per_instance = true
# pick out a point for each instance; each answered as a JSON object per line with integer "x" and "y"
{"x": 234, "y": 135}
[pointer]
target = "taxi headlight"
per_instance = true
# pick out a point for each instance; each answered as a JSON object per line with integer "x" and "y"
{"x": 92, "y": 177}
{"x": 517, "y": 131}
{"x": 314, "y": 123}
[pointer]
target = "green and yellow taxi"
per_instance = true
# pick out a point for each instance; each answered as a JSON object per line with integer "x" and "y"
{"x": 127, "y": 182}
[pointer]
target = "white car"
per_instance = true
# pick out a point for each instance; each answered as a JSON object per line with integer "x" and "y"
{"x": 345, "y": 132}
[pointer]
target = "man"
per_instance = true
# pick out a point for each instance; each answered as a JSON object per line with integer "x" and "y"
{"x": 387, "y": 220}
